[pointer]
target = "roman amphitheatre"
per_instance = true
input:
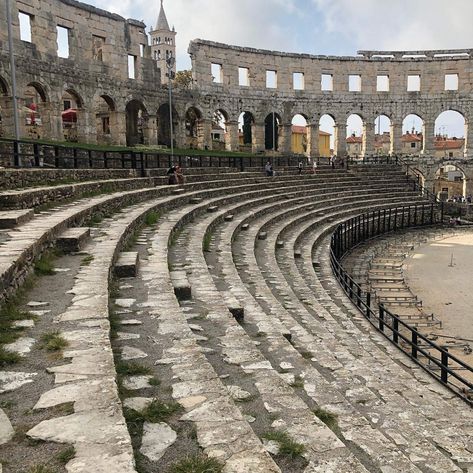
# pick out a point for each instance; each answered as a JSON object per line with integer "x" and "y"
{"x": 274, "y": 307}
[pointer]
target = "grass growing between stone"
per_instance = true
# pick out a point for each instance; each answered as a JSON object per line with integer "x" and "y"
{"x": 206, "y": 242}
{"x": 66, "y": 455}
{"x": 125, "y": 368}
{"x": 8, "y": 358}
{"x": 197, "y": 464}
{"x": 287, "y": 446}
{"x": 45, "y": 265}
{"x": 152, "y": 218}
{"x": 41, "y": 469}
{"x": 328, "y": 418}
{"x": 86, "y": 260}
{"x": 53, "y": 341}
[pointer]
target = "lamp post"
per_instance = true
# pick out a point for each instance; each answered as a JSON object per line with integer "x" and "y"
{"x": 13, "y": 76}
{"x": 170, "y": 64}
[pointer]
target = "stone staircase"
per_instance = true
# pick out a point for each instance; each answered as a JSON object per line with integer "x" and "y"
{"x": 251, "y": 338}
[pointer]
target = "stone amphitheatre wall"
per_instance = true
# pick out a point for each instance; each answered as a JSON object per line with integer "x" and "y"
{"x": 312, "y": 102}
{"x": 113, "y": 108}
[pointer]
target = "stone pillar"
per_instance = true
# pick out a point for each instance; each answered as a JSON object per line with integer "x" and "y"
{"x": 468, "y": 153}
{"x": 6, "y": 111}
{"x": 285, "y": 139}
{"x": 180, "y": 134}
{"x": 257, "y": 133}
{"x": 51, "y": 121}
{"x": 340, "y": 139}
{"x": 396, "y": 138}
{"x": 232, "y": 136}
{"x": 313, "y": 140}
{"x": 118, "y": 128}
{"x": 150, "y": 130}
{"x": 204, "y": 137}
{"x": 428, "y": 131}
{"x": 368, "y": 139}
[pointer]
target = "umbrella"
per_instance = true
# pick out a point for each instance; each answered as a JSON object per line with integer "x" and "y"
{"x": 69, "y": 115}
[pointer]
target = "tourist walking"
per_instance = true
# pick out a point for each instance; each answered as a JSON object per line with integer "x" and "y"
{"x": 299, "y": 167}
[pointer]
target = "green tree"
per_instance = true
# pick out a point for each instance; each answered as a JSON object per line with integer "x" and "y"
{"x": 183, "y": 80}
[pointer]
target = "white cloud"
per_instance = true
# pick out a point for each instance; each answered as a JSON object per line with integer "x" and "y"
{"x": 401, "y": 24}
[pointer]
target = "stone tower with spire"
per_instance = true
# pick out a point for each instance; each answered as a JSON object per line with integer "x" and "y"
{"x": 163, "y": 43}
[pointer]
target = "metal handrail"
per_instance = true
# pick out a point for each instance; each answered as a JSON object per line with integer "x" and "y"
{"x": 418, "y": 347}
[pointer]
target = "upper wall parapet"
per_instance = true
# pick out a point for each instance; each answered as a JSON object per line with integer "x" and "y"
{"x": 434, "y": 73}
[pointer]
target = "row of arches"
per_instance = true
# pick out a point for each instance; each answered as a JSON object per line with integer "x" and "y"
{"x": 248, "y": 131}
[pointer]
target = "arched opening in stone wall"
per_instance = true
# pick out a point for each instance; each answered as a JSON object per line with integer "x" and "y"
{"x": 220, "y": 135}
{"x": 450, "y": 132}
{"x": 70, "y": 116}
{"x": 32, "y": 111}
{"x": 246, "y": 123}
{"x": 272, "y": 123}
{"x": 326, "y": 136}
{"x": 4, "y": 105}
{"x": 450, "y": 183}
{"x": 163, "y": 123}
{"x": 136, "y": 122}
{"x": 355, "y": 136}
{"x": 382, "y": 135}
{"x": 299, "y": 134}
{"x": 104, "y": 107}
{"x": 194, "y": 127}
{"x": 412, "y": 134}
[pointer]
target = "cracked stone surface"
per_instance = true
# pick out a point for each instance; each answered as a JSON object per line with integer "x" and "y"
{"x": 132, "y": 353}
{"x": 6, "y": 429}
{"x": 156, "y": 439}
{"x": 22, "y": 346}
{"x": 11, "y": 380}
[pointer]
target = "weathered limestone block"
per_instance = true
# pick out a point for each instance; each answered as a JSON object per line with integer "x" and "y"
{"x": 73, "y": 239}
{"x": 13, "y": 218}
{"x": 182, "y": 287}
{"x": 127, "y": 264}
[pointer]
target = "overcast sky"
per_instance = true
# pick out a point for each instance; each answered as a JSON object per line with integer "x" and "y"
{"x": 338, "y": 27}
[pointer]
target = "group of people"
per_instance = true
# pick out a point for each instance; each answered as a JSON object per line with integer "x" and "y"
{"x": 461, "y": 199}
{"x": 175, "y": 175}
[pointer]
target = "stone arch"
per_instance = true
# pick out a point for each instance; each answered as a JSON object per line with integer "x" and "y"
{"x": 299, "y": 133}
{"x": 105, "y": 119}
{"x": 246, "y": 128}
{"x": 356, "y": 135}
{"x": 272, "y": 124}
{"x": 4, "y": 89}
{"x": 451, "y": 128}
{"x": 33, "y": 112}
{"x": 450, "y": 180}
{"x": 194, "y": 127}
{"x": 413, "y": 134}
{"x": 220, "y": 133}
{"x": 163, "y": 124}
{"x": 327, "y": 131}
{"x": 136, "y": 121}
{"x": 71, "y": 116}
{"x": 383, "y": 134}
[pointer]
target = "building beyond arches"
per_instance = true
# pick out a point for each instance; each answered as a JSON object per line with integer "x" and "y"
{"x": 130, "y": 67}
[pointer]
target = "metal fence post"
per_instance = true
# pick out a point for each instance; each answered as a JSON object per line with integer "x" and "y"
{"x": 444, "y": 360}
{"x": 16, "y": 153}
{"x": 381, "y": 318}
{"x": 395, "y": 330}
{"x": 414, "y": 344}
{"x": 36, "y": 154}
{"x": 368, "y": 305}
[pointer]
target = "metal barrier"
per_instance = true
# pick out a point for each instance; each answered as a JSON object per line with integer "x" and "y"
{"x": 15, "y": 153}
{"x": 435, "y": 359}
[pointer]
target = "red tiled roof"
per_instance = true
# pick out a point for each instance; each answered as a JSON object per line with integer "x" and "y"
{"x": 354, "y": 139}
{"x": 300, "y": 129}
{"x": 445, "y": 144}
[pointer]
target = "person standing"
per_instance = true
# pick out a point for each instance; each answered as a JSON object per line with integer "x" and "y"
{"x": 299, "y": 167}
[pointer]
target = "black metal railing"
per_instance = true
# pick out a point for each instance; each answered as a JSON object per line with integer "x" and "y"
{"x": 20, "y": 153}
{"x": 435, "y": 359}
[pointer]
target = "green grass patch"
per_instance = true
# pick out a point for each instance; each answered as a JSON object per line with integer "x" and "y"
{"x": 156, "y": 411}
{"x": 86, "y": 260}
{"x": 287, "y": 446}
{"x": 66, "y": 455}
{"x": 152, "y": 218}
{"x": 328, "y": 418}
{"x": 154, "y": 381}
{"x": 197, "y": 464}
{"x": 125, "y": 368}
{"x": 206, "y": 242}
{"x": 53, "y": 341}
{"x": 7, "y": 358}
{"x": 307, "y": 355}
{"x": 298, "y": 382}
{"x": 96, "y": 219}
{"x": 44, "y": 266}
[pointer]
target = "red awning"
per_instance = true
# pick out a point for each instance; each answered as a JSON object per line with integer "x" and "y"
{"x": 69, "y": 115}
